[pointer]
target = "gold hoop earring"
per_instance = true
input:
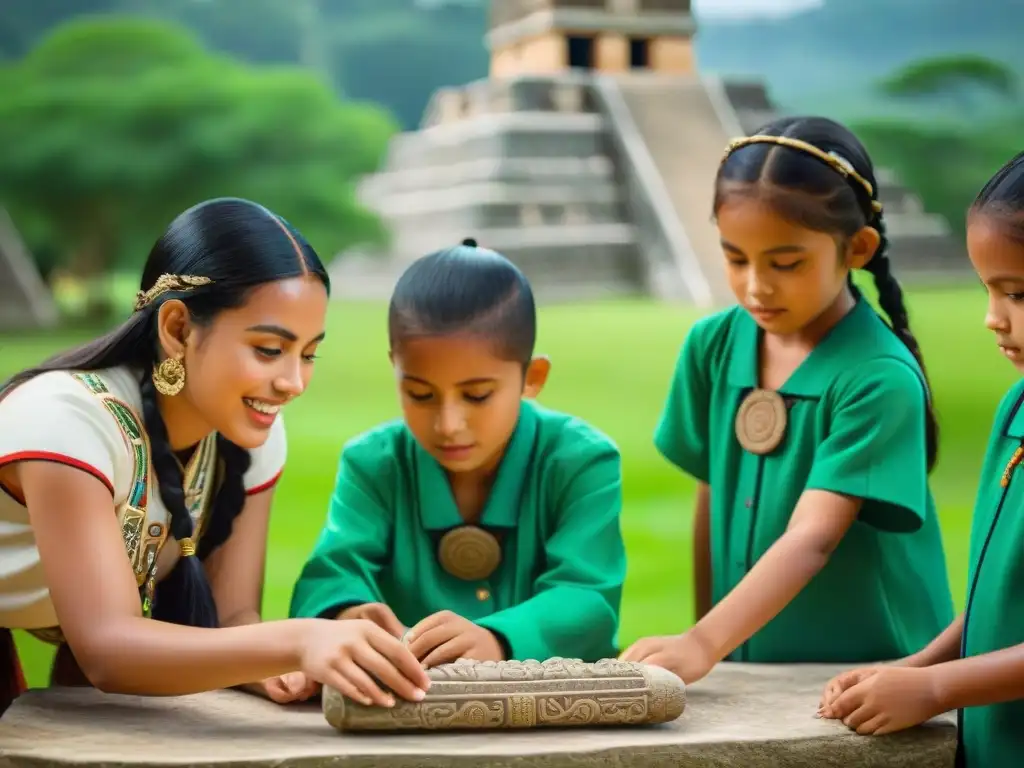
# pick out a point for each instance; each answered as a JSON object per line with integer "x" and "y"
{"x": 169, "y": 377}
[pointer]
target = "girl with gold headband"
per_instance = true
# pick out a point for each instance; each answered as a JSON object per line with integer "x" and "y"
{"x": 162, "y": 441}
{"x": 806, "y": 420}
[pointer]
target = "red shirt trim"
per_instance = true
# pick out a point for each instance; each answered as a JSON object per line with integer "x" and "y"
{"x": 57, "y": 458}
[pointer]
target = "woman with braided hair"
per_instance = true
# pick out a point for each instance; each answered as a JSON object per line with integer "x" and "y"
{"x": 806, "y": 420}
{"x": 163, "y": 439}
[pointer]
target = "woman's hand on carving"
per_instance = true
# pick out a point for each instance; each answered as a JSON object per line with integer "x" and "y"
{"x": 445, "y": 636}
{"x": 284, "y": 689}
{"x": 684, "y": 655}
{"x": 354, "y": 656}
{"x": 380, "y": 614}
{"x": 889, "y": 699}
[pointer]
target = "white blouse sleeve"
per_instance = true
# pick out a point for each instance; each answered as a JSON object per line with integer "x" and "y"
{"x": 266, "y": 463}
{"x": 53, "y": 417}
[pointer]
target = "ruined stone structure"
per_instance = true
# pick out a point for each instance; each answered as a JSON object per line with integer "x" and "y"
{"x": 588, "y": 157}
{"x": 25, "y": 301}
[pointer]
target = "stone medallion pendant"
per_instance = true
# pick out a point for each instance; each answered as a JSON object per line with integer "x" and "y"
{"x": 469, "y": 553}
{"x": 761, "y": 421}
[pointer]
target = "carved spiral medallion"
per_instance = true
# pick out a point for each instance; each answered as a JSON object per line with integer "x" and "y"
{"x": 761, "y": 421}
{"x": 469, "y": 553}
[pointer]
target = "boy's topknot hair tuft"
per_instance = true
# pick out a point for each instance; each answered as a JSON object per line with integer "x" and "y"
{"x": 466, "y": 289}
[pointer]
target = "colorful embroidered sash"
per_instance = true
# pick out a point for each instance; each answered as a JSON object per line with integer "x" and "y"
{"x": 132, "y": 519}
{"x": 143, "y": 537}
{"x": 142, "y": 541}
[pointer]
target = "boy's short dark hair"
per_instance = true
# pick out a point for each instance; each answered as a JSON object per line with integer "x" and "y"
{"x": 466, "y": 289}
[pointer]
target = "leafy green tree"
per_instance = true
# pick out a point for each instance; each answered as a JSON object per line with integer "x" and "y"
{"x": 962, "y": 77}
{"x": 946, "y": 161}
{"x": 112, "y": 125}
{"x": 946, "y": 165}
{"x": 393, "y": 52}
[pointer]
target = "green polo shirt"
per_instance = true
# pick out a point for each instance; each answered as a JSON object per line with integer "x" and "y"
{"x": 555, "y": 505}
{"x": 993, "y": 619}
{"x": 856, "y": 426}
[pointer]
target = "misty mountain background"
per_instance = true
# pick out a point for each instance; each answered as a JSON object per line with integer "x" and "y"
{"x": 830, "y": 59}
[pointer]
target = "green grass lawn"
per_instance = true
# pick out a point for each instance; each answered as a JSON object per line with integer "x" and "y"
{"x": 611, "y": 364}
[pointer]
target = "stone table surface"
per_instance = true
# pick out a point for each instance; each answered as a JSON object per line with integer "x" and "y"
{"x": 740, "y": 716}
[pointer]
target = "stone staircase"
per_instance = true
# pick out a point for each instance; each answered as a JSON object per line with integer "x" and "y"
{"x": 686, "y": 138}
{"x": 552, "y": 171}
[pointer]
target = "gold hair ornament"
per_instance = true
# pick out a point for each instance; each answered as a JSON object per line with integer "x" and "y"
{"x": 166, "y": 283}
{"x": 839, "y": 163}
{"x": 187, "y": 546}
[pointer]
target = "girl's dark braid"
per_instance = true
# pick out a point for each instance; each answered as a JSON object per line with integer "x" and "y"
{"x": 184, "y": 597}
{"x": 890, "y": 299}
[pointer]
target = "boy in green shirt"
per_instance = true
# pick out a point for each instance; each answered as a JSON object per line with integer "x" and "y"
{"x": 481, "y": 525}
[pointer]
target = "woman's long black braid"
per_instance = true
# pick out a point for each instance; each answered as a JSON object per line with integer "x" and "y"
{"x": 180, "y": 599}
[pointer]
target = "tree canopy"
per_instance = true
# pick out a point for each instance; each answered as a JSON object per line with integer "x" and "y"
{"x": 113, "y": 125}
{"x": 396, "y": 52}
{"x": 962, "y": 76}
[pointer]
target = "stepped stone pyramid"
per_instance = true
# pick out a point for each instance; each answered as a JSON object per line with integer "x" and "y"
{"x": 588, "y": 157}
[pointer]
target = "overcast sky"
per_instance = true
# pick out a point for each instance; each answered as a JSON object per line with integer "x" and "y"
{"x": 749, "y": 8}
{"x": 742, "y": 9}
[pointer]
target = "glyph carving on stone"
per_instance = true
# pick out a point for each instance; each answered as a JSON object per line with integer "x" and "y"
{"x": 523, "y": 694}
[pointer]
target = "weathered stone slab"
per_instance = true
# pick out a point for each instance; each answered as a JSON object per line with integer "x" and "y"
{"x": 473, "y": 695}
{"x": 741, "y": 716}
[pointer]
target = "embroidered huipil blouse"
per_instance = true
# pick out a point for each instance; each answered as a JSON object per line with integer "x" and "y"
{"x": 93, "y": 421}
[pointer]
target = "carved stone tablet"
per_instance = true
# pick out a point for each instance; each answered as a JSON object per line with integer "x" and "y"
{"x": 469, "y": 553}
{"x": 481, "y": 695}
{"x": 761, "y": 421}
